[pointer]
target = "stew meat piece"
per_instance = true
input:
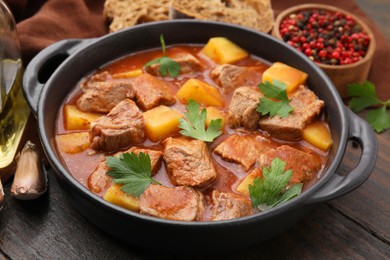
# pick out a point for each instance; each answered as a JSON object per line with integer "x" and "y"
{"x": 306, "y": 107}
{"x": 123, "y": 126}
{"x": 98, "y": 180}
{"x": 155, "y": 157}
{"x": 101, "y": 97}
{"x": 304, "y": 165}
{"x": 175, "y": 203}
{"x": 188, "y": 162}
{"x": 101, "y": 93}
{"x": 98, "y": 77}
{"x": 230, "y": 77}
{"x": 151, "y": 92}
{"x": 243, "y": 149}
{"x": 188, "y": 63}
{"x": 242, "y": 108}
{"x": 227, "y": 205}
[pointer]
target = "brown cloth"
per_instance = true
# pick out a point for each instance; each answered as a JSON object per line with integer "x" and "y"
{"x": 43, "y": 22}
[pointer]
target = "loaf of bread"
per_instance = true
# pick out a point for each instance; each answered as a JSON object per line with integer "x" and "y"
{"x": 256, "y": 14}
{"x": 125, "y": 13}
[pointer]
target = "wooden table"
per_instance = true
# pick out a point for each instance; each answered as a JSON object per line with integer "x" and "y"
{"x": 356, "y": 226}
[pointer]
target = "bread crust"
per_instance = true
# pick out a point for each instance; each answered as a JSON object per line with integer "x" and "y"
{"x": 121, "y": 14}
{"x": 256, "y": 14}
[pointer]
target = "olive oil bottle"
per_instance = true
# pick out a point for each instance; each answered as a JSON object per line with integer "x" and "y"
{"x": 14, "y": 110}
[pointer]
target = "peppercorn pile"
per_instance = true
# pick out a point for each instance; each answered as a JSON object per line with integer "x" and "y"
{"x": 326, "y": 37}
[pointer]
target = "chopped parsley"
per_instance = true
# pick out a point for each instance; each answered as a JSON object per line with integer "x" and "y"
{"x": 134, "y": 172}
{"x": 193, "y": 124}
{"x": 268, "y": 191}
{"x": 167, "y": 65}
{"x": 276, "y": 101}
{"x": 364, "y": 96}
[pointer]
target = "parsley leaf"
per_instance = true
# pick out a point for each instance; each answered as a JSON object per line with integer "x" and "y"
{"x": 379, "y": 119}
{"x": 267, "y": 192}
{"x": 268, "y": 105}
{"x": 133, "y": 171}
{"x": 167, "y": 65}
{"x": 364, "y": 96}
{"x": 193, "y": 124}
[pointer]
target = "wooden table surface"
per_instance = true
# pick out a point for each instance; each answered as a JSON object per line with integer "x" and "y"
{"x": 355, "y": 226}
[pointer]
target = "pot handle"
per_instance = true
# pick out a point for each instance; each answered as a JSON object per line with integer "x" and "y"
{"x": 44, "y": 64}
{"x": 361, "y": 133}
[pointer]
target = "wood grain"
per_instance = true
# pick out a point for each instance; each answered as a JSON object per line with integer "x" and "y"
{"x": 50, "y": 228}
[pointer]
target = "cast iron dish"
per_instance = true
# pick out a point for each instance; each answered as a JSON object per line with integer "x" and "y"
{"x": 46, "y": 86}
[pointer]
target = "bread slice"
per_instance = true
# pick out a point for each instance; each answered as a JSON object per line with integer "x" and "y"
{"x": 256, "y": 14}
{"x": 125, "y": 13}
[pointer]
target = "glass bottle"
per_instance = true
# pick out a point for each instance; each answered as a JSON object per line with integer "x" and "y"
{"x": 14, "y": 110}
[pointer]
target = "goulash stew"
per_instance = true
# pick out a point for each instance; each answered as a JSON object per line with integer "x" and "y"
{"x": 194, "y": 133}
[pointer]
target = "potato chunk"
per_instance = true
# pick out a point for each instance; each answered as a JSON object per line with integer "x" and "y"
{"x": 160, "y": 122}
{"x": 286, "y": 74}
{"x": 243, "y": 188}
{"x": 222, "y": 50}
{"x": 200, "y": 92}
{"x": 73, "y": 142}
{"x": 318, "y": 134}
{"x": 116, "y": 196}
{"x": 213, "y": 114}
{"x": 76, "y": 119}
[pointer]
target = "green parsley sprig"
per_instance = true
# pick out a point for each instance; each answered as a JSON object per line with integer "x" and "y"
{"x": 134, "y": 172}
{"x": 267, "y": 192}
{"x": 167, "y": 65}
{"x": 193, "y": 124}
{"x": 274, "y": 91}
{"x": 364, "y": 96}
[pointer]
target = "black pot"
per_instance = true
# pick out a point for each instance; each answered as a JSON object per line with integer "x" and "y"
{"x": 54, "y": 72}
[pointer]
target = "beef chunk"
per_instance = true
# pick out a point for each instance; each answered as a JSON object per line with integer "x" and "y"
{"x": 303, "y": 164}
{"x": 175, "y": 203}
{"x": 188, "y": 162}
{"x": 242, "y": 149}
{"x": 99, "y": 181}
{"x": 101, "y": 97}
{"x": 123, "y": 126}
{"x": 227, "y": 205}
{"x": 151, "y": 92}
{"x": 98, "y": 77}
{"x": 155, "y": 156}
{"x": 188, "y": 64}
{"x": 306, "y": 107}
{"x": 242, "y": 108}
{"x": 230, "y": 77}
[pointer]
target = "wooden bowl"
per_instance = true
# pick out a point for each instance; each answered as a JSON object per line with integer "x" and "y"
{"x": 341, "y": 75}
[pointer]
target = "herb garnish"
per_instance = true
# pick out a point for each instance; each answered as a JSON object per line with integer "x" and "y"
{"x": 267, "y": 192}
{"x": 193, "y": 124}
{"x": 167, "y": 65}
{"x": 133, "y": 171}
{"x": 274, "y": 91}
{"x": 363, "y": 96}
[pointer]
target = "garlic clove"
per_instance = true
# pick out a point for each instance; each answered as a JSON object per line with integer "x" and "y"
{"x": 30, "y": 180}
